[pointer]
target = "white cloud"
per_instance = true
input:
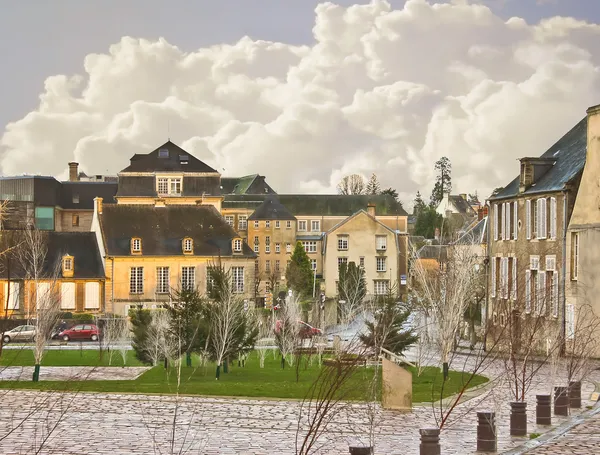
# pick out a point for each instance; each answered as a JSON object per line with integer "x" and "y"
{"x": 381, "y": 90}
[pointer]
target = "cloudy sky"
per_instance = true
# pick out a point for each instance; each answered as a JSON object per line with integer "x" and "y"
{"x": 300, "y": 91}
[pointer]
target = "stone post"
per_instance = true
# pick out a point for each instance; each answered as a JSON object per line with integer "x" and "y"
{"x": 518, "y": 418}
{"x": 361, "y": 450}
{"x": 430, "y": 441}
{"x": 575, "y": 394}
{"x": 543, "y": 410}
{"x": 561, "y": 401}
{"x": 486, "y": 432}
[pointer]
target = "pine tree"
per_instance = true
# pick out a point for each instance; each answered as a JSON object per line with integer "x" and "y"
{"x": 391, "y": 192}
{"x": 299, "y": 273}
{"x": 443, "y": 181}
{"x": 427, "y": 221}
{"x": 373, "y": 186}
{"x": 418, "y": 204}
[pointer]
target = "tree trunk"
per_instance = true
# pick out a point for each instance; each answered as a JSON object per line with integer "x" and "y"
{"x": 282, "y": 362}
{"x": 36, "y": 373}
{"x": 445, "y": 369}
{"x": 218, "y": 371}
{"x": 226, "y": 365}
{"x": 166, "y": 363}
{"x": 472, "y": 333}
{"x": 188, "y": 359}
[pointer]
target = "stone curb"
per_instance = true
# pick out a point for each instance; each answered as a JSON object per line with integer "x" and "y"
{"x": 467, "y": 395}
{"x": 557, "y": 432}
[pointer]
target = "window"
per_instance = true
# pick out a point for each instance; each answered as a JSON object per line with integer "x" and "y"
{"x": 342, "y": 261}
{"x": 136, "y": 280}
{"x": 256, "y": 267}
{"x": 44, "y": 218}
{"x": 381, "y": 264}
{"x": 515, "y": 220}
{"x": 310, "y": 246}
{"x": 514, "y": 279}
{"x": 504, "y": 277}
{"x": 136, "y": 245}
{"x": 267, "y": 244}
{"x": 381, "y": 287}
{"x": 242, "y": 222}
{"x": 210, "y": 281}
{"x": 162, "y": 280}
{"x": 229, "y": 220}
{"x": 67, "y": 298}
{"x": 361, "y": 262}
{"x": 503, "y": 227}
{"x": 256, "y": 245}
{"x": 277, "y": 265}
{"x": 75, "y": 220}
{"x": 267, "y": 224}
{"x": 288, "y": 224}
{"x": 288, "y": 247}
{"x": 75, "y": 198}
{"x": 188, "y": 278}
{"x": 496, "y": 223}
{"x": 278, "y": 248}
{"x": 528, "y": 218}
{"x": 42, "y": 295}
{"x": 302, "y": 225}
{"x": 342, "y": 242}
{"x": 552, "y": 218}
{"x": 12, "y": 294}
{"x": 188, "y": 245}
{"x": 92, "y": 296}
{"x": 574, "y": 255}
{"x": 277, "y": 224}
{"x": 381, "y": 242}
{"x": 267, "y": 266}
{"x": 570, "y": 321}
{"x": 494, "y": 277}
{"x": 542, "y": 227}
{"x": 68, "y": 264}
{"x": 313, "y": 264}
{"x": 541, "y": 293}
{"x": 237, "y": 279}
{"x": 528, "y": 291}
{"x": 163, "y": 153}
{"x": 256, "y": 224}
{"x": 237, "y": 245}
{"x": 315, "y": 226}
{"x": 553, "y": 280}
{"x": 168, "y": 185}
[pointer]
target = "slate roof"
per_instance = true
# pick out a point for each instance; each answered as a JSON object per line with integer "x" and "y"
{"x": 321, "y": 204}
{"x": 569, "y": 152}
{"x": 163, "y": 228}
{"x": 461, "y": 205}
{"x": 81, "y": 245}
{"x": 476, "y": 235}
{"x": 271, "y": 209}
{"x": 86, "y": 191}
{"x": 153, "y": 162}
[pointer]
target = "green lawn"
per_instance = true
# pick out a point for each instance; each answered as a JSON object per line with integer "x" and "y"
{"x": 250, "y": 381}
{"x": 62, "y": 358}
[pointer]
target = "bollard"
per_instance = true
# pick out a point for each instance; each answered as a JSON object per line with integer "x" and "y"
{"x": 430, "y": 441}
{"x": 362, "y": 450}
{"x": 561, "y": 401}
{"x": 575, "y": 394}
{"x": 543, "y": 410}
{"x": 486, "y": 432}
{"x": 518, "y": 418}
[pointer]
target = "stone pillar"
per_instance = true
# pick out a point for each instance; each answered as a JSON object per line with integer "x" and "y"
{"x": 362, "y": 450}
{"x": 561, "y": 401}
{"x": 486, "y": 432}
{"x": 575, "y": 394}
{"x": 430, "y": 441}
{"x": 518, "y": 418}
{"x": 543, "y": 410}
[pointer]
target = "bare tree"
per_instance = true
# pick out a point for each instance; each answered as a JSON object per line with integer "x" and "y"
{"x": 352, "y": 290}
{"x": 287, "y": 332}
{"x": 352, "y": 184}
{"x": 160, "y": 342}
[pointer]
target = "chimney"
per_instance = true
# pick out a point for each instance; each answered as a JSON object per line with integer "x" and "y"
{"x": 98, "y": 205}
{"x": 73, "y": 172}
{"x": 480, "y": 214}
{"x": 371, "y": 210}
{"x": 464, "y": 196}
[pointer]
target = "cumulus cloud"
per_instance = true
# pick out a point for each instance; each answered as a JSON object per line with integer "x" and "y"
{"x": 380, "y": 90}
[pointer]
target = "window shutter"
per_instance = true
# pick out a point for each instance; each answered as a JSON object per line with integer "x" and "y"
{"x": 508, "y": 213}
{"x": 503, "y": 226}
{"x": 494, "y": 275}
{"x": 553, "y": 218}
{"x": 515, "y": 219}
{"x": 527, "y": 291}
{"x": 528, "y": 218}
{"x": 514, "y": 279}
{"x": 541, "y": 295}
{"x": 543, "y": 229}
{"x": 570, "y": 322}
{"x": 555, "y": 294}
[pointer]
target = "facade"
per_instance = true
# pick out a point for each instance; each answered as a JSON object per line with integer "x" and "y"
{"x": 456, "y": 204}
{"x": 71, "y": 272}
{"x": 527, "y": 233}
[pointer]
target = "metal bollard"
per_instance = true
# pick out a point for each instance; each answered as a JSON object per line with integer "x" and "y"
{"x": 486, "y": 432}
{"x": 430, "y": 441}
{"x": 518, "y": 418}
{"x": 362, "y": 450}
{"x": 543, "y": 410}
{"x": 575, "y": 394}
{"x": 561, "y": 401}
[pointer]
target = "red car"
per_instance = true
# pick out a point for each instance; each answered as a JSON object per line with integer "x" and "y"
{"x": 80, "y": 332}
{"x": 305, "y": 330}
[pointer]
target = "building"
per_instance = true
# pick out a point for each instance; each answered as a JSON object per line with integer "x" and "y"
{"x": 70, "y": 271}
{"x": 527, "y": 245}
{"x": 455, "y": 205}
{"x": 248, "y": 184}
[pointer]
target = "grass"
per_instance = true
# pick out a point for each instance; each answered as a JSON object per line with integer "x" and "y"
{"x": 534, "y": 435}
{"x": 249, "y": 381}
{"x": 62, "y": 358}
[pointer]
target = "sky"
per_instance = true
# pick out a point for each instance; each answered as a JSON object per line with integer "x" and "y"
{"x": 301, "y": 91}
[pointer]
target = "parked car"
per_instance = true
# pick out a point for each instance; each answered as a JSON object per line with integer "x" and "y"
{"x": 305, "y": 330}
{"x": 20, "y": 333}
{"x": 80, "y": 332}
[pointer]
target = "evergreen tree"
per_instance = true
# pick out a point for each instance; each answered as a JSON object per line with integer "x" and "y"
{"x": 140, "y": 321}
{"x": 443, "y": 180}
{"x": 391, "y": 192}
{"x": 373, "y": 186}
{"x": 388, "y": 329}
{"x": 187, "y": 324}
{"x": 427, "y": 221}
{"x": 299, "y": 273}
{"x": 418, "y": 204}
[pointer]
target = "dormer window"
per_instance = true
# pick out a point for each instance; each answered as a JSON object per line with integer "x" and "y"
{"x": 237, "y": 245}
{"x": 188, "y": 245}
{"x": 68, "y": 265}
{"x": 163, "y": 153}
{"x": 184, "y": 159}
{"x": 169, "y": 186}
{"x": 136, "y": 245}
{"x": 75, "y": 198}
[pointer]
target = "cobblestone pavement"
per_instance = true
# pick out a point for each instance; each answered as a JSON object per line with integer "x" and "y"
{"x": 72, "y": 373}
{"x": 116, "y": 424}
{"x": 584, "y": 439}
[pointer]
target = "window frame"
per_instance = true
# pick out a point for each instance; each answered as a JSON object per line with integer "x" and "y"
{"x": 136, "y": 281}
{"x": 174, "y": 185}
{"x": 188, "y": 245}
{"x": 316, "y": 223}
{"x": 302, "y": 225}
{"x": 381, "y": 246}
{"x": 138, "y": 241}
{"x": 242, "y": 222}
{"x": 188, "y": 277}
{"x": 238, "y": 245}
{"x": 163, "y": 279}
{"x": 378, "y": 261}
{"x": 237, "y": 279}
{"x": 343, "y": 242}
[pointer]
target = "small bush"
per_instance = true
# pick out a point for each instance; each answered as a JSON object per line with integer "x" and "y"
{"x": 84, "y": 317}
{"x": 534, "y": 435}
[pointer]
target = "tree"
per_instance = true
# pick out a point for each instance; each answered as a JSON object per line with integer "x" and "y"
{"x": 388, "y": 328}
{"x": 443, "y": 180}
{"x": 391, "y": 192}
{"x": 161, "y": 344}
{"x": 141, "y": 320}
{"x": 352, "y": 184}
{"x": 428, "y": 220}
{"x": 496, "y": 191}
{"x": 299, "y": 273}
{"x": 287, "y": 331}
{"x": 373, "y": 186}
{"x": 418, "y": 204}
{"x": 352, "y": 290}
{"x": 186, "y": 322}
